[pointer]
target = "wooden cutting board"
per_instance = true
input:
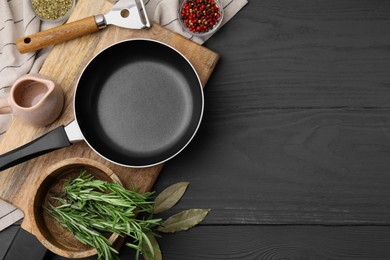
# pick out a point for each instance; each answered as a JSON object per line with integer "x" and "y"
{"x": 64, "y": 65}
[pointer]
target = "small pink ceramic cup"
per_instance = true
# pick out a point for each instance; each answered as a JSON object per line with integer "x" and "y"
{"x": 34, "y": 99}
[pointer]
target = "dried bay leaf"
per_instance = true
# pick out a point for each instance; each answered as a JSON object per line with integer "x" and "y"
{"x": 169, "y": 197}
{"x": 183, "y": 220}
{"x": 156, "y": 253}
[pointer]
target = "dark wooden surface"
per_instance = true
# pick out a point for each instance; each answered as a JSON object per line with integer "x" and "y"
{"x": 293, "y": 154}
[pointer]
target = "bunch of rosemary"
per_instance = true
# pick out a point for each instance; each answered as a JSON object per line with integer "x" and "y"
{"x": 91, "y": 207}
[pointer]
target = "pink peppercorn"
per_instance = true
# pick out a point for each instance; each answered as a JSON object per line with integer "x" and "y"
{"x": 200, "y": 16}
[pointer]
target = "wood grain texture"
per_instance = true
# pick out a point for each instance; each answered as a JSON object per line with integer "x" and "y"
{"x": 296, "y": 130}
{"x": 64, "y": 66}
{"x": 305, "y": 54}
{"x": 297, "y": 119}
{"x": 272, "y": 243}
{"x": 250, "y": 242}
{"x": 45, "y": 227}
{"x": 276, "y": 243}
{"x": 57, "y": 35}
{"x": 289, "y": 166}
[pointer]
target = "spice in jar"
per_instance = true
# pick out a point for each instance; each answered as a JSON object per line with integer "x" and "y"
{"x": 52, "y": 9}
{"x": 200, "y": 16}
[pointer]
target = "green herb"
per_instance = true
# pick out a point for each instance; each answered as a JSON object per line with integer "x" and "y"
{"x": 180, "y": 221}
{"x": 169, "y": 197}
{"x": 90, "y": 207}
{"x": 183, "y": 220}
{"x": 156, "y": 253}
{"x": 52, "y": 9}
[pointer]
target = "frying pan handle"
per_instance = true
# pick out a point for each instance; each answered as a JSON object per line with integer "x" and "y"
{"x": 53, "y": 140}
{"x": 58, "y": 34}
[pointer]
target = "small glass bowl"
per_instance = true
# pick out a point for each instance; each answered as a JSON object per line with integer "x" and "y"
{"x": 211, "y": 30}
{"x": 56, "y": 6}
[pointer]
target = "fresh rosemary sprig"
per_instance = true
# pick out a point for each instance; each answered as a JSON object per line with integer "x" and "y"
{"x": 90, "y": 207}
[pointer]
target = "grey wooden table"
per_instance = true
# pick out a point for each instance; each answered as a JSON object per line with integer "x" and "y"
{"x": 293, "y": 154}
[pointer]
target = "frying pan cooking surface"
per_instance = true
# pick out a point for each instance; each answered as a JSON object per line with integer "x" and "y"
{"x": 138, "y": 102}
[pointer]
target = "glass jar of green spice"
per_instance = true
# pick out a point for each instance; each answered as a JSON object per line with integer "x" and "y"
{"x": 53, "y": 10}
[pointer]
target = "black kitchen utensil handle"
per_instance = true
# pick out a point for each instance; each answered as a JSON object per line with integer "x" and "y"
{"x": 51, "y": 141}
{"x": 27, "y": 247}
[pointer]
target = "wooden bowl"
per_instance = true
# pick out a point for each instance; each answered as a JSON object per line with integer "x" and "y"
{"x": 50, "y": 233}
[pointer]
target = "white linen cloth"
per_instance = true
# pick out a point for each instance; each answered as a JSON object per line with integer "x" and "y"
{"x": 17, "y": 19}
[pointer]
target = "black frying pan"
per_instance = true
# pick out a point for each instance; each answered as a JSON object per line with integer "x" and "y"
{"x": 138, "y": 103}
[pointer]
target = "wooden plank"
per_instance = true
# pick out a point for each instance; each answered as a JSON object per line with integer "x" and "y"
{"x": 288, "y": 167}
{"x": 306, "y": 54}
{"x": 265, "y": 242}
{"x": 296, "y": 126}
{"x": 259, "y": 242}
{"x": 64, "y": 65}
{"x": 275, "y": 242}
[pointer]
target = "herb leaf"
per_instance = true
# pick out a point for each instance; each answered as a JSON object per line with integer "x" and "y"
{"x": 90, "y": 207}
{"x": 152, "y": 250}
{"x": 169, "y": 197}
{"x": 183, "y": 220}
